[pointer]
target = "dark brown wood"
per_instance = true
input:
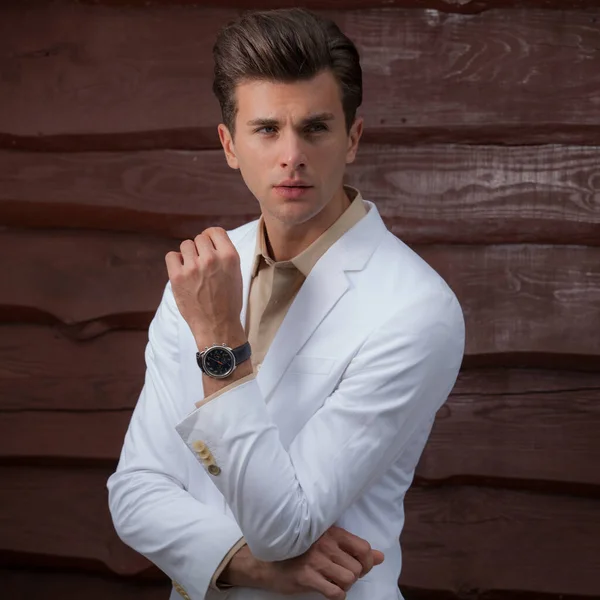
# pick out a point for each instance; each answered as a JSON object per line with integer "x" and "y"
{"x": 524, "y": 299}
{"x": 143, "y": 80}
{"x": 25, "y": 584}
{"x": 53, "y": 391}
{"x": 451, "y": 6}
{"x": 90, "y": 438}
{"x": 177, "y": 194}
{"x": 75, "y": 277}
{"x": 518, "y": 427}
{"x": 518, "y": 299}
{"x": 43, "y": 370}
{"x": 458, "y": 539}
{"x": 426, "y": 194}
{"x": 60, "y": 518}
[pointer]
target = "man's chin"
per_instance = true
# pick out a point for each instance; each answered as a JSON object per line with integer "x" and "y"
{"x": 294, "y": 212}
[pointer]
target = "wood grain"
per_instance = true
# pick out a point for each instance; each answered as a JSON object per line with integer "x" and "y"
{"x": 25, "y": 584}
{"x": 458, "y": 539}
{"x": 42, "y": 369}
{"x": 517, "y": 427}
{"x": 450, "y": 6}
{"x": 143, "y": 79}
{"x": 60, "y": 518}
{"x": 517, "y": 299}
{"x": 74, "y": 277}
{"x": 426, "y": 194}
{"x": 528, "y": 428}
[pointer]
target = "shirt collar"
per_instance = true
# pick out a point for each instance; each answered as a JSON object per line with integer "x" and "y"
{"x": 309, "y": 257}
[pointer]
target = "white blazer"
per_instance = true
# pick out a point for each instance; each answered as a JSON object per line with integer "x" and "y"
{"x": 329, "y": 432}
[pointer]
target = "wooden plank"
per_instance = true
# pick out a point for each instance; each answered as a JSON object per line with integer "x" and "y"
{"x": 450, "y": 6}
{"x": 75, "y": 277}
{"x": 59, "y": 517}
{"x": 517, "y": 427}
{"x": 25, "y": 584}
{"x": 463, "y": 539}
{"x": 426, "y": 194}
{"x": 517, "y": 299}
{"x": 520, "y": 299}
{"x": 43, "y": 370}
{"x": 138, "y": 81}
{"x": 456, "y": 538}
{"x": 175, "y": 194}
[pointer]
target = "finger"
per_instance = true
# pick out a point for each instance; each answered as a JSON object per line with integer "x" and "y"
{"x": 344, "y": 578}
{"x": 348, "y": 562}
{"x": 174, "y": 262}
{"x": 357, "y": 547}
{"x": 188, "y": 251}
{"x": 204, "y": 245}
{"x": 378, "y": 557}
{"x": 326, "y": 588}
{"x": 220, "y": 240}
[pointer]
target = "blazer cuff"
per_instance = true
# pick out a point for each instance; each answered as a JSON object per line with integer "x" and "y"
{"x": 215, "y": 584}
{"x": 228, "y": 388}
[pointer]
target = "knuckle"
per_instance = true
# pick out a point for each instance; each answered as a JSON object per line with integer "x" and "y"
{"x": 364, "y": 548}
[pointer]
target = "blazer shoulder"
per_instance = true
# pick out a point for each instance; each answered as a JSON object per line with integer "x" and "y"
{"x": 238, "y": 234}
{"x": 404, "y": 278}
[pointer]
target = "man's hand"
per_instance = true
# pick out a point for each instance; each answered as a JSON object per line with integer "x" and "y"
{"x": 330, "y": 567}
{"x": 207, "y": 285}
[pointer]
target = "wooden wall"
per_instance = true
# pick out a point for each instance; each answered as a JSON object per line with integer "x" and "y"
{"x": 482, "y": 150}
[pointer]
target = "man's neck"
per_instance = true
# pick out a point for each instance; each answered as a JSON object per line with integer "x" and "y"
{"x": 284, "y": 243}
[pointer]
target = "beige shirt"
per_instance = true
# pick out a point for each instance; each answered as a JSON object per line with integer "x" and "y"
{"x": 273, "y": 287}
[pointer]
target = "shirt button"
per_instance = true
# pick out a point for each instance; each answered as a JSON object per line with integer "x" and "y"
{"x": 214, "y": 470}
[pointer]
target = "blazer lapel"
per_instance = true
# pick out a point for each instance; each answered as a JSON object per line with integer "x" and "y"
{"x": 245, "y": 248}
{"x": 323, "y": 288}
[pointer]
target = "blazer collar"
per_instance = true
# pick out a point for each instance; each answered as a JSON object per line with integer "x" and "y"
{"x": 325, "y": 285}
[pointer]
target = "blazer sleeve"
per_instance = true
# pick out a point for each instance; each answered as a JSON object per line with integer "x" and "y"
{"x": 285, "y": 500}
{"x": 151, "y": 509}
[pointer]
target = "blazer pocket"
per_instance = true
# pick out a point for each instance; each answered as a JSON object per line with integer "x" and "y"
{"x": 316, "y": 365}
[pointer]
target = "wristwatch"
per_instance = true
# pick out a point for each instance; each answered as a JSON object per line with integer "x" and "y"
{"x": 220, "y": 361}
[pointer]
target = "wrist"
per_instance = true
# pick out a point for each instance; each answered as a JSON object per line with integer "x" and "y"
{"x": 232, "y": 336}
{"x": 243, "y": 570}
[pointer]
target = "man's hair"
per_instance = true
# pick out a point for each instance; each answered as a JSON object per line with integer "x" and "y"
{"x": 284, "y": 46}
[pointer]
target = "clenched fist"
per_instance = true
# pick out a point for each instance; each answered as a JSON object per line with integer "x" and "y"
{"x": 207, "y": 285}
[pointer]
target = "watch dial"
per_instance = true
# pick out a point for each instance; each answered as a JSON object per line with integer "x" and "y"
{"x": 218, "y": 362}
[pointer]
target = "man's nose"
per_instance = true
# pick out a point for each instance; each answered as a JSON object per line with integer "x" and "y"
{"x": 293, "y": 155}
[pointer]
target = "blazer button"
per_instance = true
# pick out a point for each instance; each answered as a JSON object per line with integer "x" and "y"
{"x": 199, "y": 446}
{"x": 214, "y": 470}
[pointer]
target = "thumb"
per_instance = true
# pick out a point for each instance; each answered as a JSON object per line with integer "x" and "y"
{"x": 378, "y": 557}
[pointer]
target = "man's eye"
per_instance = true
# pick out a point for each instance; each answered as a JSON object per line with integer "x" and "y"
{"x": 316, "y": 127}
{"x": 262, "y": 129}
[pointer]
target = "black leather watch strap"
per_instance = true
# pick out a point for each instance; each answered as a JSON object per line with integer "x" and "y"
{"x": 242, "y": 353}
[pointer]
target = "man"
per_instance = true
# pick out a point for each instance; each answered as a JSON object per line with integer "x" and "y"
{"x": 295, "y": 364}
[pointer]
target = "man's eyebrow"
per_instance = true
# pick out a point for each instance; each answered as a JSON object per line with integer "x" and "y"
{"x": 326, "y": 116}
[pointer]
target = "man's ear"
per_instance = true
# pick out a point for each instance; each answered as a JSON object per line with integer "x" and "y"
{"x": 353, "y": 138}
{"x": 228, "y": 147}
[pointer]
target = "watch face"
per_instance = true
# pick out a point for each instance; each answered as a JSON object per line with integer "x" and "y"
{"x": 219, "y": 362}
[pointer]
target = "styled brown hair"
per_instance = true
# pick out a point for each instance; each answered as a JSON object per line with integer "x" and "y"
{"x": 284, "y": 45}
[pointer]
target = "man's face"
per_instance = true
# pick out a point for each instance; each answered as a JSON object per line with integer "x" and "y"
{"x": 291, "y": 133}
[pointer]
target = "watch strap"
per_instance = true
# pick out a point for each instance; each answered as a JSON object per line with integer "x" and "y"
{"x": 242, "y": 353}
